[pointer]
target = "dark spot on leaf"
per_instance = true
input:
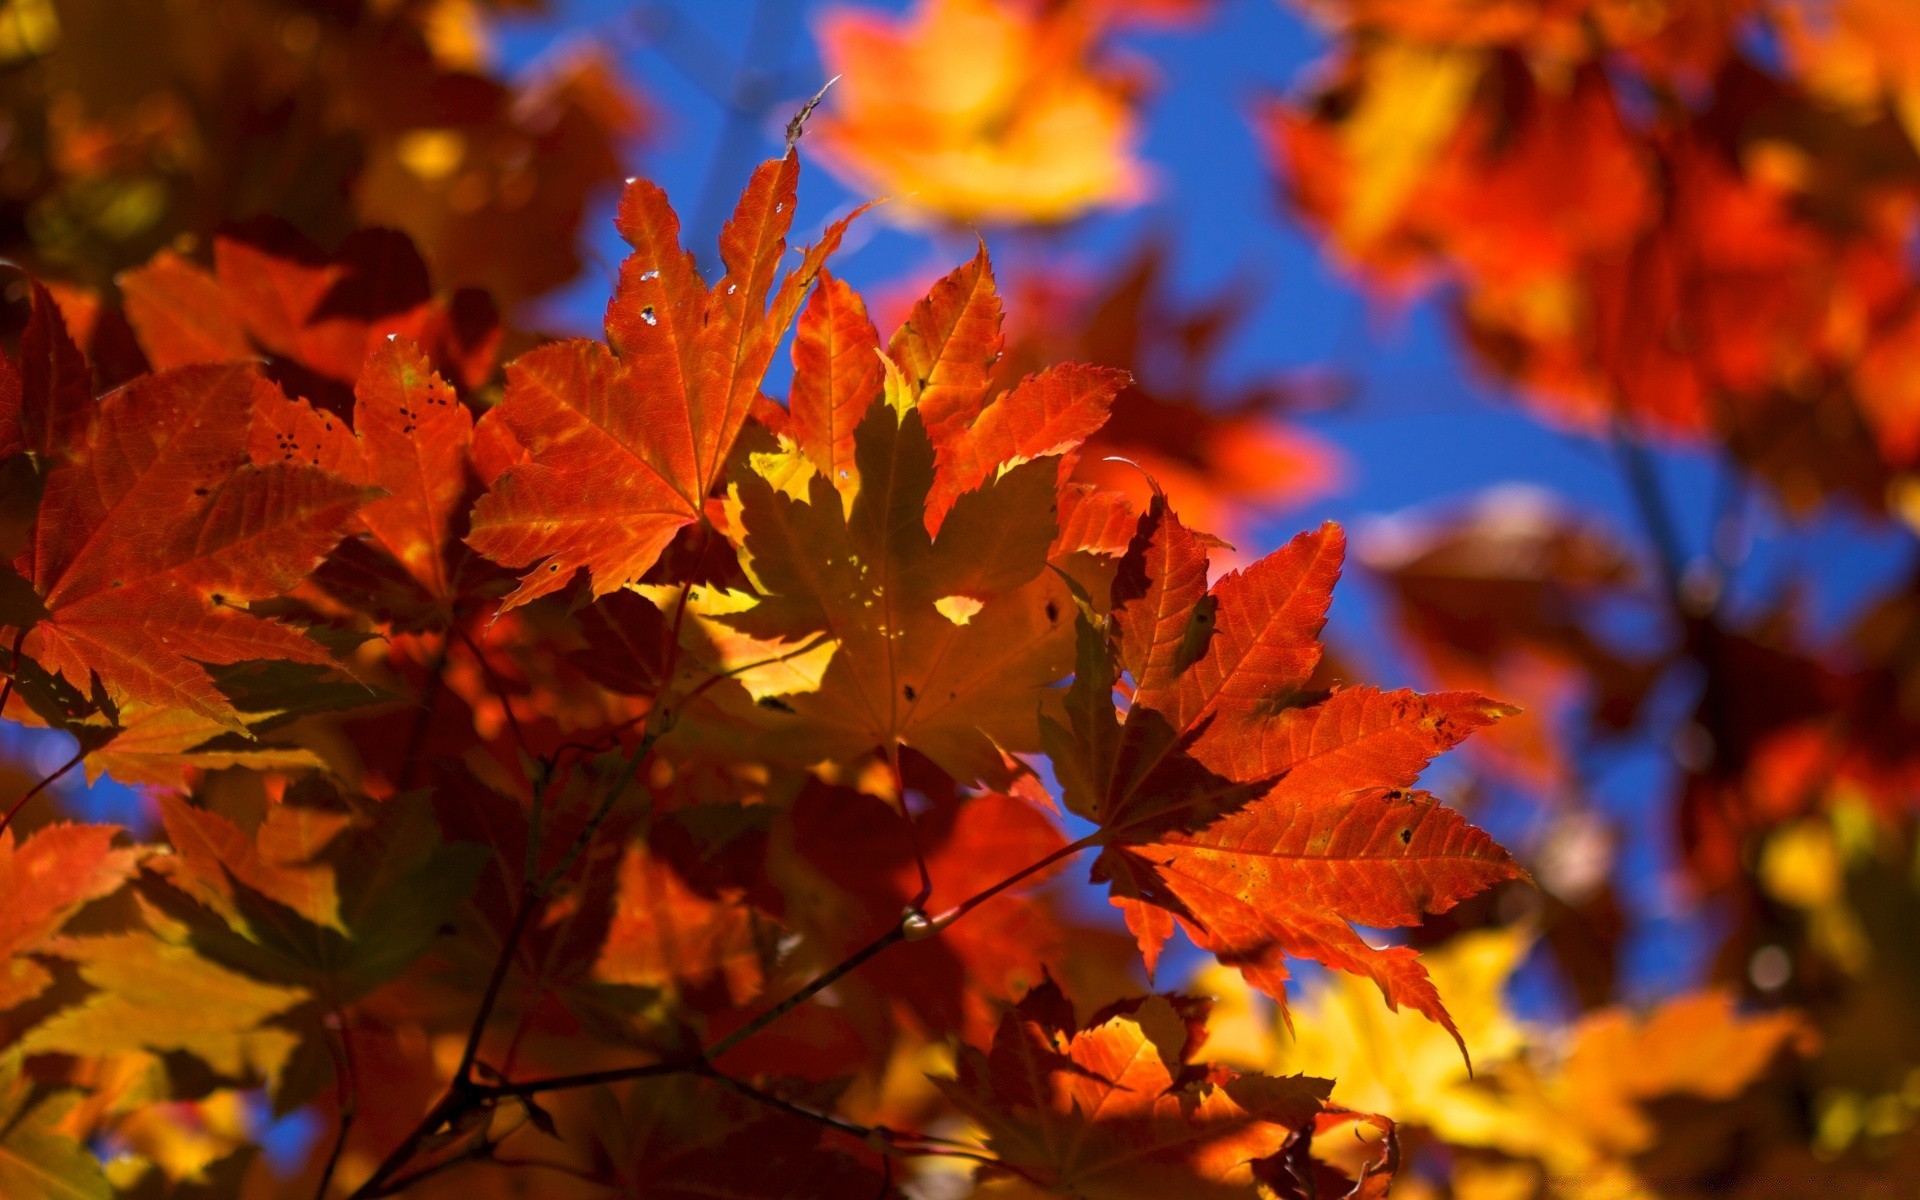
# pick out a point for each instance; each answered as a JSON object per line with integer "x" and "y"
{"x": 1406, "y": 837}
{"x": 1053, "y": 612}
{"x": 910, "y": 694}
{"x": 775, "y": 703}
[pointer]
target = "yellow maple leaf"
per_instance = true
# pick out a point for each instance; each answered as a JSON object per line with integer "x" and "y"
{"x": 1565, "y": 1108}
{"x": 1398, "y": 1064}
{"x": 154, "y": 996}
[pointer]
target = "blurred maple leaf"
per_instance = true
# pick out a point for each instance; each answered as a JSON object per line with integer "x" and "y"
{"x": 1569, "y": 1124}
{"x": 1224, "y": 454}
{"x": 137, "y": 126}
{"x": 47, "y": 879}
{"x": 1729, "y": 266}
{"x": 315, "y": 317}
{"x": 151, "y": 996}
{"x": 1503, "y": 597}
{"x": 37, "y": 1159}
{"x": 980, "y": 110}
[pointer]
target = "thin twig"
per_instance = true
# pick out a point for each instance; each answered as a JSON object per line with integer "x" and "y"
{"x": 974, "y": 901}
{"x": 820, "y": 983}
{"x": 558, "y": 1083}
{"x": 349, "y": 1099}
{"x": 42, "y": 786}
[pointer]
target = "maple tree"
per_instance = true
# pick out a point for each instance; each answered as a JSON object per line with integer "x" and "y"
{"x": 800, "y": 741}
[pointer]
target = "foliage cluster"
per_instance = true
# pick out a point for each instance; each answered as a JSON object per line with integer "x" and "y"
{"x": 576, "y": 772}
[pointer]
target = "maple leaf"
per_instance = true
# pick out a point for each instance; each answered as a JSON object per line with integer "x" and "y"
{"x": 944, "y": 643}
{"x": 665, "y": 934}
{"x": 46, "y": 399}
{"x": 904, "y": 598}
{"x": 1502, "y": 598}
{"x": 1263, "y": 822}
{"x": 1223, "y": 452}
{"x": 152, "y": 744}
{"x": 624, "y": 443}
{"x": 411, "y": 438}
{"x": 1118, "y": 1108}
{"x": 38, "y": 1161}
{"x": 979, "y": 110}
{"x": 153, "y": 996}
{"x": 47, "y": 879}
{"x": 152, "y": 541}
{"x": 1403, "y": 1066}
{"x": 320, "y": 896}
{"x": 316, "y": 317}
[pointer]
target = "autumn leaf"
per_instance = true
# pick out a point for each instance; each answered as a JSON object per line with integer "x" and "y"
{"x": 664, "y": 934}
{"x": 37, "y": 1160}
{"x": 1118, "y": 1108}
{"x": 864, "y": 855}
{"x": 904, "y": 599}
{"x": 47, "y": 879}
{"x": 46, "y": 399}
{"x": 1230, "y": 800}
{"x": 315, "y": 317}
{"x": 625, "y": 442}
{"x": 1225, "y": 451}
{"x": 979, "y": 110}
{"x": 153, "y": 996}
{"x": 152, "y": 542}
{"x": 152, "y": 744}
{"x": 320, "y": 896}
{"x": 412, "y": 439}
{"x": 1403, "y": 1066}
{"x": 945, "y": 643}
{"x": 1505, "y": 596}
{"x": 836, "y": 375}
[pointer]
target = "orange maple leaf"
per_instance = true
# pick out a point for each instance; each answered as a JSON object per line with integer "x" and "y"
{"x": 412, "y": 438}
{"x": 625, "y": 443}
{"x": 1232, "y": 799}
{"x": 47, "y": 879}
{"x": 316, "y": 317}
{"x": 151, "y": 542}
{"x": 1118, "y": 1109}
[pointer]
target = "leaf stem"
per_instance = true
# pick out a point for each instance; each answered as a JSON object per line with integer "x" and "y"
{"x": 820, "y": 983}
{"x": 349, "y": 1099}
